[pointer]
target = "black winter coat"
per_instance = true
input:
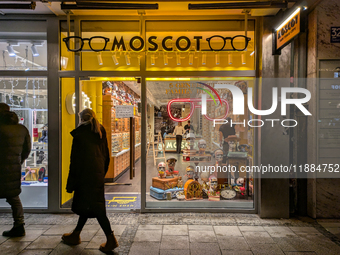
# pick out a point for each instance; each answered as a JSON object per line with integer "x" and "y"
{"x": 89, "y": 163}
{"x": 15, "y": 146}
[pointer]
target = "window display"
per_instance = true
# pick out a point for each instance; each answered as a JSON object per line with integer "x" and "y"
{"x": 206, "y": 173}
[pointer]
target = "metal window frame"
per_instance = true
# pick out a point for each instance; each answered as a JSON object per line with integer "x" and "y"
{"x": 54, "y": 75}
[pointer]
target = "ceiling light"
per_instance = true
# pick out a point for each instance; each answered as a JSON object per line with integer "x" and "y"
{"x": 35, "y": 52}
{"x": 115, "y": 59}
{"x": 178, "y": 59}
{"x": 243, "y": 58}
{"x": 100, "y": 60}
{"x": 230, "y": 59}
{"x": 10, "y": 50}
{"x": 166, "y": 60}
{"x": 305, "y": 8}
{"x": 191, "y": 58}
{"x": 153, "y": 59}
{"x": 217, "y": 58}
{"x": 127, "y": 59}
{"x": 204, "y": 58}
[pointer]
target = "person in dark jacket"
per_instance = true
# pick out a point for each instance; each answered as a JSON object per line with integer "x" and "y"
{"x": 90, "y": 160}
{"x": 15, "y": 146}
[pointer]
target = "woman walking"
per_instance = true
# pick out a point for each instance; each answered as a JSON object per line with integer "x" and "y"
{"x": 179, "y": 131}
{"x": 89, "y": 163}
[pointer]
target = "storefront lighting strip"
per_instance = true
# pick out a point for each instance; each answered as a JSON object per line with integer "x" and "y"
{"x": 288, "y": 19}
{"x": 108, "y": 6}
{"x": 245, "y": 5}
{"x": 112, "y": 78}
{"x": 200, "y": 79}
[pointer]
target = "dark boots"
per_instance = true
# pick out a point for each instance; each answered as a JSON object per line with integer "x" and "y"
{"x": 16, "y": 231}
{"x": 110, "y": 244}
{"x": 72, "y": 238}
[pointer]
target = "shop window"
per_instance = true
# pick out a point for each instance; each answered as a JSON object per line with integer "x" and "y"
{"x": 200, "y": 45}
{"x": 23, "y": 45}
{"x": 27, "y": 97}
{"x": 100, "y": 54}
{"x": 207, "y": 169}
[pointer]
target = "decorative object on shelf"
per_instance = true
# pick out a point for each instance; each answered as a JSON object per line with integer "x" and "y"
{"x": 213, "y": 194}
{"x": 171, "y": 162}
{"x": 180, "y": 195}
{"x": 193, "y": 190}
{"x": 202, "y": 145}
{"x": 232, "y": 141}
{"x": 228, "y": 193}
{"x": 218, "y": 155}
{"x": 180, "y": 182}
{"x": 162, "y": 194}
{"x": 161, "y": 170}
{"x": 164, "y": 183}
{"x": 190, "y": 172}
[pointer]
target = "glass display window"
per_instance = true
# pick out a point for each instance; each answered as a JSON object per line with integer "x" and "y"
{"x": 205, "y": 170}
{"x": 27, "y": 97}
{"x": 23, "y": 45}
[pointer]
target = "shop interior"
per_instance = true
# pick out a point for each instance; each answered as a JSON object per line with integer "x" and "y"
{"x": 173, "y": 180}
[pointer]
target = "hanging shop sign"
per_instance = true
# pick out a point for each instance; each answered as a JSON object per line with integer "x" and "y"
{"x": 137, "y": 43}
{"x": 287, "y": 31}
{"x": 335, "y": 34}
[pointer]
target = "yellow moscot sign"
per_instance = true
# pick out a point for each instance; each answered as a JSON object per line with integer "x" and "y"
{"x": 288, "y": 29}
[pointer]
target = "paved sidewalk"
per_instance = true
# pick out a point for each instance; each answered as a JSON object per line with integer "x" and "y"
{"x": 177, "y": 234}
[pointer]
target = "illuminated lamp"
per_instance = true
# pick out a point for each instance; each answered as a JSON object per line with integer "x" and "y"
{"x": 230, "y": 59}
{"x": 127, "y": 59}
{"x": 243, "y": 58}
{"x": 166, "y": 61}
{"x": 115, "y": 59}
{"x": 204, "y": 59}
{"x": 35, "y": 52}
{"x": 217, "y": 58}
{"x": 153, "y": 59}
{"x": 99, "y": 58}
{"x": 191, "y": 58}
{"x": 178, "y": 59}
{"x": 10, "y": 50}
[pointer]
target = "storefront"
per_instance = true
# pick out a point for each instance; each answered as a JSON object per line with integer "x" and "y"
{"x": 143, "y": 75}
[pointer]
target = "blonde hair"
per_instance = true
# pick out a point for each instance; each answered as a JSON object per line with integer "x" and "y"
{"x": 87, "y": 115}
{"x": 179, "y": 124}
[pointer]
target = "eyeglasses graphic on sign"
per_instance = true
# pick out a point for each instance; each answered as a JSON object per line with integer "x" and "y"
{"x": 194, "y": 104}
{"x": 217, "y": 42}
{"x": 76, "y": 43}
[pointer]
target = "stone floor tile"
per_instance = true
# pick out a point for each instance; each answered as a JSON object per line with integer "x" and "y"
{"x": 204, "y": 248}
{"x": 36, "y": 226}
{"x": 180, "y": 230}
{"x": 227, "y": 231}
{"x": 174, "y": 252}
{"x": 12, "y": 248}
{"x": 236, "y": 243}
{"x": 295, "y": 244}
{"x": 266, "y": 249}
{"x": 304, "y": 230}
{"x": 96, "y": 241}
{"x": 60, "y": 229}
{"x": 92, "y": 252}
{"x": 35, "y": 252}
{"x": 224, "y": 252}
{"x": 148, "y": 236}
{"x": 326, "y": 251}
{"x": 148, "y": 227}
{"x": 145, "y": 248}
{"x": 45, "y": 242}
{"x": 87, "y": 234}
{"x": 300, "y": 253}
{"x": 117, "y": 230}
{"x": 334, "y": 231}
{"x": 251, "y": 228}
{"x": 202, "y": 236}
{"x": 279, "y": 231}
{"x": 2, "y": 238}
{"x": 31, "y": 235}
{"x": 174, "y": 242}
{"x": 64, "y": 249}
{"x": 258, "y": 238}
{"x": 329, "y": 224}
{"x": 200, "y": 228}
